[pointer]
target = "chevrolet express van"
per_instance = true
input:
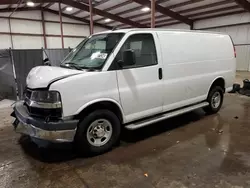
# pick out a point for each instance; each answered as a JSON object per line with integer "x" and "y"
{"x": 125, "y": 78}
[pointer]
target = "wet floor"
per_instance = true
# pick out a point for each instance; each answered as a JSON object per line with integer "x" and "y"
{"x": 192, "y": 150}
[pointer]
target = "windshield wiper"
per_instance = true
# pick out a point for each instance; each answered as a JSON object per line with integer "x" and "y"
{"x": 90, "y": 68}
{"x": 71, "y": 65}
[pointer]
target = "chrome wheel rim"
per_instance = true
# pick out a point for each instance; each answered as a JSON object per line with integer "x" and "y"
{"x": 216, "y": 100}
{"x": 99, "y": 132}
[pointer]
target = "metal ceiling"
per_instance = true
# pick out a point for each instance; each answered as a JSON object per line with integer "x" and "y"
{"x": 128, "y": 13}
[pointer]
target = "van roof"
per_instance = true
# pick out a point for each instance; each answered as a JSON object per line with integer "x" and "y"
{"x": 158, "y": 29}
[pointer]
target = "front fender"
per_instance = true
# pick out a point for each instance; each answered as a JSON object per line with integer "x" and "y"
{"x": 102, "y": 100}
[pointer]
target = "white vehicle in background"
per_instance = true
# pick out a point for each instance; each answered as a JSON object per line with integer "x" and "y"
{"x": 131, "y": 78}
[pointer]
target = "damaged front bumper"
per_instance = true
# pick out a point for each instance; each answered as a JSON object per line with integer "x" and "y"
{"x": 54, "y": 131}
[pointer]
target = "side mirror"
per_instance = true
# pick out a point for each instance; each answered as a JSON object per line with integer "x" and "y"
{"x": 46, "y": 62}
{"x": 128, "y": 58}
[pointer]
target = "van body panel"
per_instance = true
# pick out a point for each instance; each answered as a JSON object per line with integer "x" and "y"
{"x": 41, "y": 76}
{"x": 78, "y": 90}
{"x": 136, "y": 87}
{"x": 192, "y": 61}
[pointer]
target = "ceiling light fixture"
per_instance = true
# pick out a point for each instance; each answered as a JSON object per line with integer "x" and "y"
{"x": 69, "y": 8}
{"x": 145, "y": 9}
{"x": 30, "y": 3}
{"x": 107, "y": 20}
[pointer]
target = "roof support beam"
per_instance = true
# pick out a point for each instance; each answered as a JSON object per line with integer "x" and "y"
{"x": 144, "y": 14}
{"x": 40, "y": 5}
{"x": 115, "y": 7}
{"x": 169, "y": 23}
{"x": 76, "y": 18}
{"x": 220, "y": 15}
{"x": 102, "y": 13}
{"x": 48, "y": 5}
{"x": 244, "y": 3}
{"x": 39, "y": 20}
{"x": 64, "y": 8}
{"x": 204, "y": 17}
{"x": 19, "y": 9}
{"x": 204, "y": 13}
{"x": 51, "y": 11}
{"x": 161, "y": 1}
{"x": 75, "y": 13}
{"x": 166, "y": 11}
{"x": 100, "y": 3}
{"x": 214, "y": 11}
{"x": 192, "y": 9}
{"x": 94, "y": 4}
{"x": 10, "y": 2}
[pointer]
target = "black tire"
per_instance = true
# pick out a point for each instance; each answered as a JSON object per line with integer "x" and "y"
{"x": 84, "y": 147}
{"x": 211, "y": 109}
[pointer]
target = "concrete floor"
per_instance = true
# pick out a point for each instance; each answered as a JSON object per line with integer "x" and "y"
{"x": 192, "y": 150}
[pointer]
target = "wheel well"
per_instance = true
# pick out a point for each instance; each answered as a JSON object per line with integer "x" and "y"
{"x": 219, "y": 82}
{"x": 102, "y": 105}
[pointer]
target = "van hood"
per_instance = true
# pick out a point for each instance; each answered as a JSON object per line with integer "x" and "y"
{"x": 42, "y": 76}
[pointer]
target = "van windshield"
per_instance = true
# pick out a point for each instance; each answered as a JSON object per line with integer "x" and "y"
{"x": 93, "y": 52}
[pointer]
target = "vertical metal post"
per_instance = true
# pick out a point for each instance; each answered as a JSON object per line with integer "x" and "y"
{"x": 192, "y": 26}
{"x": 11, "y": 39}
{"x": 44, "y": 32}
{"x": 14, "y": 71}
{"x": 61, "y": 26}
{"x": 10, "y": 24}
{"x": 91, "y": 30}
{"x": 152, "y": 13}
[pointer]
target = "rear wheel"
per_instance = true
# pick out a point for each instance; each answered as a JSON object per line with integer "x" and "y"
{"x": 215, "y": 100}
{"x": 98, "y": 132}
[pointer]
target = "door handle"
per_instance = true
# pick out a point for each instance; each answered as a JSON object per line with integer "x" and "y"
{"x": 160, "y": 73}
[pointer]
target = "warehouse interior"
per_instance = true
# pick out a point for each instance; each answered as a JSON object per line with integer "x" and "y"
{"x": 192, "y": 150}
{"x": 38, "y": 26}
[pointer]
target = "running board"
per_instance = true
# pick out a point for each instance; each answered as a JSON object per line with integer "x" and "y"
{"x": 161, "y": 117}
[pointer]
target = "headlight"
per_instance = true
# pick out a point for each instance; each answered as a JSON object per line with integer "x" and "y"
{"x": 45, "y": 96}
{"x": 45, "y": 99}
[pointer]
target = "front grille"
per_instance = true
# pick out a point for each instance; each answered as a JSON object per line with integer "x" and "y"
{"x": 45, "y": 113}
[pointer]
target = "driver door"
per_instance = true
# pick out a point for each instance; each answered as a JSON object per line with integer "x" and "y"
{"x": 140, "y": 85}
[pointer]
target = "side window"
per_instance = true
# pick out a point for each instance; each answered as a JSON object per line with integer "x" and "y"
{"x": 143, "y": 47}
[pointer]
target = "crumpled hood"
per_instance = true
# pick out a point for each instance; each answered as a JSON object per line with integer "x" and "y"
{"x": 42, "y": 76}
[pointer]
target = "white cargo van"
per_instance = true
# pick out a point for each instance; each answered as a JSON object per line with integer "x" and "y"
{"x": 125, "y": 78}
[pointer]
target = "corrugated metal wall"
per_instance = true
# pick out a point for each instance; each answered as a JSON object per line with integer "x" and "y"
{"x": 24, "y": 61}
{"x": 243, "y": 57}
{"x": 35, "y": 27}
{"x": 56, "y": 55}
{"x": 7, "y": 80}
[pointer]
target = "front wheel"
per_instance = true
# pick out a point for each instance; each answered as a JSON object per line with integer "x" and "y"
{"x": 98, "y": 132}
{"x": 215, "y": 100}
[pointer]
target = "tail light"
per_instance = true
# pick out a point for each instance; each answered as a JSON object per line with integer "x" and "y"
{"x": 234, "y": 52}
{"x": 233, "y": 46}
